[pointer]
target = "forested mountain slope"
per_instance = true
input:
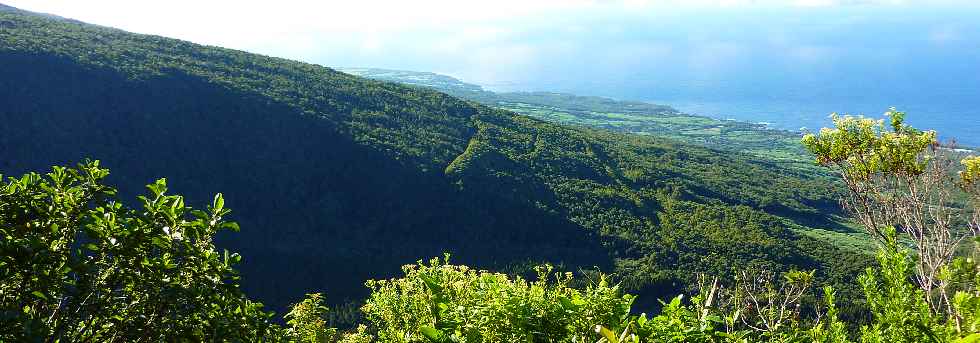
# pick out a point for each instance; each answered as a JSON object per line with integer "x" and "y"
{"x": 336, "y": 178}
{"x": 636, "y": 117}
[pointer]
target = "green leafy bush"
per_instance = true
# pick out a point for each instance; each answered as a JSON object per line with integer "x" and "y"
{"x": 439, "y": 302}
{"x": 76, "y": 265}
{"x": 307, "y": 321}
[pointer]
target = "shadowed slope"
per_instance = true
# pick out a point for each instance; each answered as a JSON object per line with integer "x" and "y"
{"x": 336, "y": 178}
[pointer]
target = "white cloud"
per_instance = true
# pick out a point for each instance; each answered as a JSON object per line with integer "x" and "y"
{"x": 231, "y": 22}
{"x": 360, "y": 15}
{"x": 497, "y": 41}
{"x": 815, "y": 3}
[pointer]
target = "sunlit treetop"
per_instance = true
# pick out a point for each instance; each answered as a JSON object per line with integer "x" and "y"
{"x": 971, "y": 171}
{"x": 862, "y": 147}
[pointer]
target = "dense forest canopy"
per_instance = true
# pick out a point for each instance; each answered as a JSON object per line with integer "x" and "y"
{"x": 337, "y": 179}
{"x": 80, "y": 266}
{"x": 642, "y": 118}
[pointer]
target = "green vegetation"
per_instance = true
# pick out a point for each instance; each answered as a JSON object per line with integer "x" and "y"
{"x": 338, "y": 179}
{"x": 446, "y": 303}
{"x": 78, "y": 265}
{"x": 901, "y": 178}
{"x": 759, "y": 142}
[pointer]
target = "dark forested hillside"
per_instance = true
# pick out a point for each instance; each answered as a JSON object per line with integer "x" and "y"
{"x": 336, "y": 179}
{"x": 769, "y": 145}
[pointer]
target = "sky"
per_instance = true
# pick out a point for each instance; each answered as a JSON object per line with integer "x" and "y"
{"x": 501, "y": 41}
{"x": 788, "y": 62}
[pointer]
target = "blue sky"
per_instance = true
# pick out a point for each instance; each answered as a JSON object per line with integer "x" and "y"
{"x": 511, "y": 41}
{"x": 787, "y": 62}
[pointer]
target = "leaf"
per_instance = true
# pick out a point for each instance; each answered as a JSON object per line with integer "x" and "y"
{"x": 431, "y": 283}
{"x": 219, "y": 202}
{"x": 642, "y": 319}
{"x": 39, "y": 295}
{"x": 927, "y": 331}
{"x": 158, "y": 188}
{"x": 160, "y": 242}
{"x": 607, "y": 334}
{"x": 233, "y": 226}
{"x": 973, "y": 338}
{"x": 433, "y": 334}
{"x": 567, "y": 304}
{"x": 199, "y": 214}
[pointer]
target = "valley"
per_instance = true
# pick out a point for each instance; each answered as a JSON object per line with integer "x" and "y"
{"x": 336, "y": 179}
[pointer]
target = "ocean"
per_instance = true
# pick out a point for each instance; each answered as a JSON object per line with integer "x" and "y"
{"x": 948, "y": 103}
{"x": 789, "y": 68}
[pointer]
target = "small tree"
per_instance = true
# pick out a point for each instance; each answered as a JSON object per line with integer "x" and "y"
{"x": 901, "y": 178}
{"x": 769, "y": 306}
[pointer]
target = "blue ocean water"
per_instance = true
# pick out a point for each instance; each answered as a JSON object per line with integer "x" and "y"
{"x": 952, "y": 109}
{"x": 955, "y": 123}
{"x": 947, "y": 101}
{"x": 790, "y": 68}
